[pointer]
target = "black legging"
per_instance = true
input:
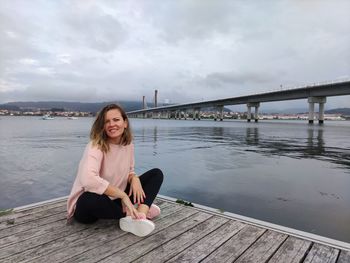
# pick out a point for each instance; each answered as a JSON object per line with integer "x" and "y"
{"x": 91, "y": 206}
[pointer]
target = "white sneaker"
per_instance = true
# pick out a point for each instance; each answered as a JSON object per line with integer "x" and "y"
{"x": 138, "y": 227}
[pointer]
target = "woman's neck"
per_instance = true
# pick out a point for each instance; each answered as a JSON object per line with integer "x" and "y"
{"x": 114, "y": 141}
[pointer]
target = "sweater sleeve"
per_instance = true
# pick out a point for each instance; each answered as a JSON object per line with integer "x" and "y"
{"x": 132, "y": 160}
{"x": 89, "y": 171}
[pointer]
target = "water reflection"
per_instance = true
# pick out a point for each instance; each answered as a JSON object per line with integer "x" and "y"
{"x": 252, "y": 136}
{"x": 145, "y": 136}
{"x": 311, "y": 146}
{"x": 304, "y": 143}
{"x": 155, "y": 134}
{"x": 315, "y": 144}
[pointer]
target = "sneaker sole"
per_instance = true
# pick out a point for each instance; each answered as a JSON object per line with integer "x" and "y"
{"x": 139, "y": 227}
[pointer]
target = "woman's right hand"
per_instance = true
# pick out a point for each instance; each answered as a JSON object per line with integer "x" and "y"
{"x": 130, "y": 207}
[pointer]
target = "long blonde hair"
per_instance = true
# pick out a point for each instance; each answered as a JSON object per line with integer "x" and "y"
{"x": 98, "y": 135}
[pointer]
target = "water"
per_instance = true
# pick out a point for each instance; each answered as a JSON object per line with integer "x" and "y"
{"x": 289, "y": 173}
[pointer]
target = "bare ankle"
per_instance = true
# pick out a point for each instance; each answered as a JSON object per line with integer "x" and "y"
{"x": 143, "y": 209}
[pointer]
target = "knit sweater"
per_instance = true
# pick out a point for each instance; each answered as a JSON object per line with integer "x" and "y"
{"x": 98, "y": 169}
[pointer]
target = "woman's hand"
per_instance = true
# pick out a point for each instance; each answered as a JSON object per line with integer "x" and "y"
{"x": 131, "y": 210}
{"x": 136, "y": 190}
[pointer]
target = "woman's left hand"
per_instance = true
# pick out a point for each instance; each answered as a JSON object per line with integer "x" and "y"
{"x": 136, "y": 190}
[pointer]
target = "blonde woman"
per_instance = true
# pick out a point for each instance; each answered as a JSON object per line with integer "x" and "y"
{"x": 106, "y": 186}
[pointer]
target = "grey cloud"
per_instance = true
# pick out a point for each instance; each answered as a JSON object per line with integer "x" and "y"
{"x": 191, "y": 19}
{"x": 15, "y": 40}
{"x": 94, "y": 29}
{"x": 218, "y": 78}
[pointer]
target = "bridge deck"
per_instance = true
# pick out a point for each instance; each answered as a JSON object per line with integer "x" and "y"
{"x": 183, "y": 234}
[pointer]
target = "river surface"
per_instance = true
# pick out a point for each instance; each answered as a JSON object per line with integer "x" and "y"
{"x": 284, "y": 172}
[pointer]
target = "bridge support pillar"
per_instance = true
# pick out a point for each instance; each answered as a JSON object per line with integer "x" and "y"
{"x": 321, "y": 113}
{"x": 321, "y": 101}
{"x": 221, "y": 111}
{"x": 197, "y": 113}
{"x": 256, "y": 113}
{"x": 249, "y": 113}
{"x": 256, "y": 116}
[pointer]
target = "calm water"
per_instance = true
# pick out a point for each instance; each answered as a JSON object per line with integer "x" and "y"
{"x": 288, "y": 173}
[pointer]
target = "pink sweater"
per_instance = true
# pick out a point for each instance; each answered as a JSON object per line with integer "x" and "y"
{"x": 98, "y": 169}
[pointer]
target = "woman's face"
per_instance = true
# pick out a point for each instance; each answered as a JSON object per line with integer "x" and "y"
{"x": 114, "y": 125}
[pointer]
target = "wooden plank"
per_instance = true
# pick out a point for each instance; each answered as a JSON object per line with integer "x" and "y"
{"x": 44, "y": 235}
{"x": 128, "y": 254}
{"x": 62, "y": 243}
{"x": 293, "y": 250}
{"x": 321, "y": 253}
{"x": 33, "y": 211}
{"x": 178, "y": 244}
{"x": 20, "y": 235}
{"x": 101, "y": 244}
{"x": 31, "y": 254}
{"x": 208, "y": 244}
{"x": 344, "y": 257}
{"x": 20, "y": 218}
{"x": 263, "y": 248}
{"x": 29, "y": 226}
{"x": 236, "y": 245}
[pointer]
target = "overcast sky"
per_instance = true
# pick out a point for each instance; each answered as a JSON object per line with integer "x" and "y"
{"x": 93, "y": 51}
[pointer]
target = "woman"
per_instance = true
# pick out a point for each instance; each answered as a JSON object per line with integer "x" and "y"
{"x": 106, "y": 186}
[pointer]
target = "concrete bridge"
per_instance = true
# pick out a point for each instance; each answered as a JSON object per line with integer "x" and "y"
{"x": 316, "y": 93}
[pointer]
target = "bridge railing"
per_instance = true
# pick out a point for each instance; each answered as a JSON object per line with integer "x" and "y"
{"x": 314, "y": 84}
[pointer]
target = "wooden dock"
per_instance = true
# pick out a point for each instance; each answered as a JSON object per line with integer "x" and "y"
{"x": 39, "y": 233}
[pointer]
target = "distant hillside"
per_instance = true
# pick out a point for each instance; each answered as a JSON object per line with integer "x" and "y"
{"x": 76, "y": 106}
{"x": 343, "y": 111}
{"x": 9, "y": 107}
{"x": 69, "y": 106}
